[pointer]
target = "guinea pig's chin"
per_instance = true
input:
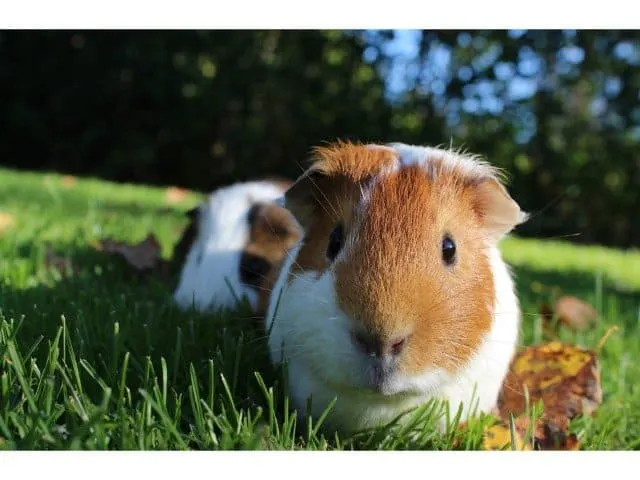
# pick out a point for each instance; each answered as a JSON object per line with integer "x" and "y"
{"x": 398, "y": 384}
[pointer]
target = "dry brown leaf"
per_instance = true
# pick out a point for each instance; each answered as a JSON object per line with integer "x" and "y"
{"x": 576, "y": 313}
{"x": 572, "y": 312}
{"x": 57, "y": 262}
{"x": 544, "y": 435}
{"x": 69, "y": 181}
{"x": 555, "y": 435}
{"x": 142, "y": 256}
{"x": 498, "y": 437}
{"x": 565, "y": 378}
{"x": 176, "y": 194}
{"x": 6, "y": 221}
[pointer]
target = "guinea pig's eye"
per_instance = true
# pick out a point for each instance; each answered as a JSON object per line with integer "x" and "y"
{"x": 335, "y": 242}
{"x": 448, "y": 250}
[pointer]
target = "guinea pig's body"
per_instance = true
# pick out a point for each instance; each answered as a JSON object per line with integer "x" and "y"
{"x": 234, "y": 247}
{"x": 397, "y": 292}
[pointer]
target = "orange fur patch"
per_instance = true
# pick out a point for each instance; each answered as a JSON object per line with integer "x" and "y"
{"x": 393, "y": 281}
{"x": 326, "y": 194}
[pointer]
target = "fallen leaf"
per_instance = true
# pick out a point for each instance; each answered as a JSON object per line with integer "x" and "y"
{"x": 576, "y": 313}
{"x": 69, "y": 181}
{"x": 565, "y": 378}
{"x": 498, "y": 437}
{"x": 572, "y": 312}
{"x": 142, "y": 256}
{"x": 6, "y": 221}
{"x": 57, "y": 262}
{"x": 555, "y": 436}
{"x": 176, "y": 194}
{"x": 544, "y": 435}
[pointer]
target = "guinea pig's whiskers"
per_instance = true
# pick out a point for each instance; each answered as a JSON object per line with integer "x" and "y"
{"x": 529, "y": 314}
{"x": 441, "y": 299}
{"x": 455, "y": 360}
{"x": 262, "y": 289}
{"x": 462, "y": 345}
{"x": 316, "y": 298}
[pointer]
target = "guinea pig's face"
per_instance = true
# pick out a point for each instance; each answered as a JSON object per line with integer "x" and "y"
{"x": 391, "y": 288}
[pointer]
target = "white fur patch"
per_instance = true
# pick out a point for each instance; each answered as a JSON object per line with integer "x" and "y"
{"x": 472, "y": 165}
{"x": 210, "y": 277}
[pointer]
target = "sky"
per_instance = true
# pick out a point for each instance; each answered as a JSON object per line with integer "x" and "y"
{"x": 405, "y": 48}
{"x": 520, "y": 80}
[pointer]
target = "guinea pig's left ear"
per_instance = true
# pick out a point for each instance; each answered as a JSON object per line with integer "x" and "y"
{"x": 301, "y": 198}
{"x": 499, "y": 213}
{"x": 276, "y": 223}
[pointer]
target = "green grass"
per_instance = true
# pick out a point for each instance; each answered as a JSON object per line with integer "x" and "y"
{"x": 102, "y": 360}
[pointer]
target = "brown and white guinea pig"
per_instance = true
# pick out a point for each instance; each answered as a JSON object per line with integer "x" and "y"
{"x": 234, "y": 247}
{"x": 397, "y": 292}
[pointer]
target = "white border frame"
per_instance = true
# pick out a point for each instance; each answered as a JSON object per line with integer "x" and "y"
{"x": 335, "y": 14}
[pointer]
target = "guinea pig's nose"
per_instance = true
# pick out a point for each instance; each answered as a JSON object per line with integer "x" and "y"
{"x": 372, "y": 345}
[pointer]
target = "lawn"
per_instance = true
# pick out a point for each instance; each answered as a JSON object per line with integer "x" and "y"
{"x": 101, "y": 359}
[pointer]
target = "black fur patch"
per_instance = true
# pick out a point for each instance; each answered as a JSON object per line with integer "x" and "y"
{"x": 188, "y": 237}
{"x": 253, "y": 269}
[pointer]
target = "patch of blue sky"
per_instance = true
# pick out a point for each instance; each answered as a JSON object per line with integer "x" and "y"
{"x": 406, "y": 67}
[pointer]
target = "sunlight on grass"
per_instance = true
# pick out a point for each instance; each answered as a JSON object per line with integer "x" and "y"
{"x": 103, "y": 360}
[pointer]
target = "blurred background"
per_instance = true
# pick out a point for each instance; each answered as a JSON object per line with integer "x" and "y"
{"x": 560, "y": 110}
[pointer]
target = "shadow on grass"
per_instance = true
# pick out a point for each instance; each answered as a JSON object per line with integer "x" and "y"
{"x": 111, "y": 313}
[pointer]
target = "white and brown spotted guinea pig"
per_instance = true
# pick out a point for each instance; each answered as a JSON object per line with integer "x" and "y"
{"x": 397, "y": 292}
{"x": 234, "y": 247}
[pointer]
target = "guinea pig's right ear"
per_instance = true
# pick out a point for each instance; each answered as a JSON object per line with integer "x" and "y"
{"x": 499, "y": 212}
{"x": 301, "y": 198}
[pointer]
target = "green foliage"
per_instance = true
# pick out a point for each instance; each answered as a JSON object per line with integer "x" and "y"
{"x": 570, "y": 144}
{"x": 197, "y": 108}
{"x": 102, "y": 359}
{"x": 206, "y": 108}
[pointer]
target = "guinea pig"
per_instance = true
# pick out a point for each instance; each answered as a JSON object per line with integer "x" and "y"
{"x": 396, "y": 293}
{"x": 234, "y": 246}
